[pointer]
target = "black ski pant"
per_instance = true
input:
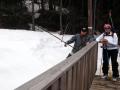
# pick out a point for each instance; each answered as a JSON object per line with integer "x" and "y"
{"x": 107, "y": 54}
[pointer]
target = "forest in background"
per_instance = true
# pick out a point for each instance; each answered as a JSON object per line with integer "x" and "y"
{"x": 15, "y": 14}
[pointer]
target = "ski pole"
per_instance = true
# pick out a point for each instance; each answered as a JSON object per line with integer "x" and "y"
{"x": 101, "y": 66}
{"x": 43, "y": 29}
{"x": 110, "y": 16}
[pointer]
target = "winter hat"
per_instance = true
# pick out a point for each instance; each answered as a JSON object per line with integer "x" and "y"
{"x": 107, "y": 26}
{"x": 84, "y": 30}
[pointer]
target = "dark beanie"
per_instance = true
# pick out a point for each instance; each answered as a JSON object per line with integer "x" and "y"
{"x": 84, "y": 30}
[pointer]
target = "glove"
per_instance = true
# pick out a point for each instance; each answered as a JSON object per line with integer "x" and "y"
{"x": 65, "y": 45}
{"x": 104, "y": 41}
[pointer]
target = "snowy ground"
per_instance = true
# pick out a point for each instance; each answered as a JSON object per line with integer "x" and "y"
{"x": 26, "y": 54}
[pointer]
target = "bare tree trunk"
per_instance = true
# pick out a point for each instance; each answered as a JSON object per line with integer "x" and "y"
{"x": 33, "y": 19}
{"x": 42, "y": 5}
{"x": 39, "y": 4}
{"x": 70, "y": 2}
{"x": 90, "y": 23}
{"x": 50, "y": 4}
{"x": 94, "y": 16}
{"x": 61, "y": 26}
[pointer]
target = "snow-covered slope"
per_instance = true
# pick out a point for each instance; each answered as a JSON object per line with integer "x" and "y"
{"x": 26, "y": 54}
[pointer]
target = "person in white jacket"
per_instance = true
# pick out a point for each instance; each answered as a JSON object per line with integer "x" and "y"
{"x": 109, "y": 42}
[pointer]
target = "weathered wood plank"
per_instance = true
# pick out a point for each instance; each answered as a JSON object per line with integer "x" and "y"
{"x": 74, "y": 77}
{"x": 78, "y": 76}
{"x": 55, "y": 85}
{"x": 82, "y": 75}
{"x": 63, "y": 82}
{"x": 69, "y": 79}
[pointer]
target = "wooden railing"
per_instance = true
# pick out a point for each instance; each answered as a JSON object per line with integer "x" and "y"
{"x": 74, "y": 73}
